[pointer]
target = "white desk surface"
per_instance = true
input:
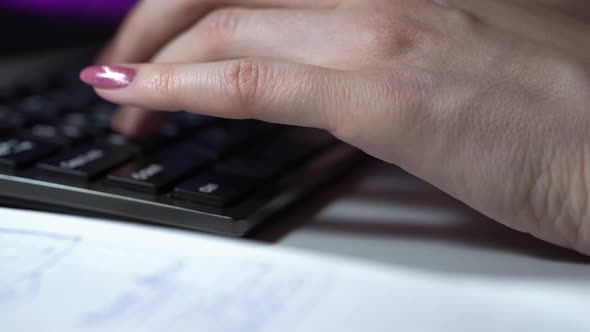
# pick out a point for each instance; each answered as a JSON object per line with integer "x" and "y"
{"x": 382, "y": 214}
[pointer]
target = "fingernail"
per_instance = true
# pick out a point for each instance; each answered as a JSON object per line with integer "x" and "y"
{"x": 108, "y": 77}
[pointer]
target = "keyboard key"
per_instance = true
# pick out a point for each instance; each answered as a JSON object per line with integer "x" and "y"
{"x": 155, "y": 174}
{"x": 190, "y": 122}
{"x": 45, "y": 131}
{"x": 86, "y": 123}
{"x": 249, "y": 165}
{"x": 77, "y": 119}
{"x": 71, "y": 100}
{"x": 17, "y": 152}
{"x": 85, "y": 163}
{"x": 121, "y": 141}
{"x": 217, "y": 142}
{"x": 64, "y": 135}
{"x": 39, "y": 109}
{"x": 167, "y": 135}
{"x": 101, "y": 115}
{"x": 75, "y": 135}
{"x": 269, "y": 159}
{"x": 214, "y": 189}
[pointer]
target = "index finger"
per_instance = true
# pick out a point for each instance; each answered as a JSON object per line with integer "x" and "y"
{"x": 284, "y": 93}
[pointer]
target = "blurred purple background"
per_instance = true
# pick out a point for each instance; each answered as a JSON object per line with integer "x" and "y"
{"x": 102, "y": 10}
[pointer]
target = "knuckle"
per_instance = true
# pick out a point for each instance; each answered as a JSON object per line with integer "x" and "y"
{"x": 244, "y": 81}
{"x": 387, "y": 35}
{"x": 222, "y": 23}
{"x": 217, "y": 30}
{"x": 164, "y": 83}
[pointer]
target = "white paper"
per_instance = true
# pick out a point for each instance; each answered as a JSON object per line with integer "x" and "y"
{"x": 72, "y": 274}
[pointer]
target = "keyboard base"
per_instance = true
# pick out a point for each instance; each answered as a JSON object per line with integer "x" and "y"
{"x": 237, "y": 221}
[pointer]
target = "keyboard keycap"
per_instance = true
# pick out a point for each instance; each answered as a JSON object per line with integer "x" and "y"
{"x": 39, "y": 109}
{"x": 72, "y": 100}
{"x": 101, "y": 115}
{"x": 64, "y": 135}
{"x": 266, "y": 160}
{"x": 190, "y": 122}
{"x": 85, "y": 163}
{"x": 119, "y": 140}
{"x": 75, "y": 135}
{"x": 17, "y": 152}
{"x": 167, "y": 135}
{"x": 217, "y": 142}
{"x": 77, "y": 119}
{"x": 214, "y": 189}
{"x": 156, "y": 174}
{"x": 249, "y": 165}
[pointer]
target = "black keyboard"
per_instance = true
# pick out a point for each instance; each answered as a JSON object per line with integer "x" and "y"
{"x": 58, "y": 152}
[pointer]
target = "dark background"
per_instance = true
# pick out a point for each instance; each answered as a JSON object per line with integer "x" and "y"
{"x": 24, "y": 32}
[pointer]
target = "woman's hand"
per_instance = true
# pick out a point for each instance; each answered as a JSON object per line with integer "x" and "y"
{"x": 488, "y": 100}
{"x": 154, "y": 26}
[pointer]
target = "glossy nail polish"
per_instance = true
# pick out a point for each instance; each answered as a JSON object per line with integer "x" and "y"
{"x": 108, "y": 77}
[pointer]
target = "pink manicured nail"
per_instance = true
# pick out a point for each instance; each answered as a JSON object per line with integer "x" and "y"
{"x": 108, "y": 77}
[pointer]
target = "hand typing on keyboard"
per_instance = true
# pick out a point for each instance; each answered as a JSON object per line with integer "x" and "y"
{"x": 57, "y": 147}
{"x": 485, "y": 99}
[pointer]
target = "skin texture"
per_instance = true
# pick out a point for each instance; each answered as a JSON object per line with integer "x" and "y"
{"x": 487, "y": 100}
